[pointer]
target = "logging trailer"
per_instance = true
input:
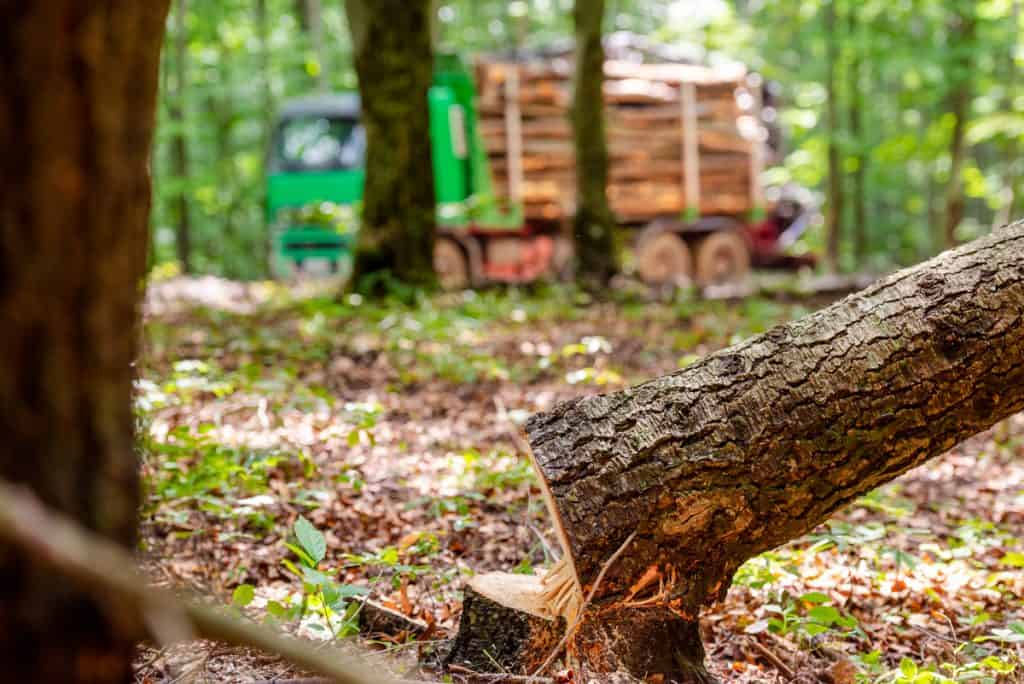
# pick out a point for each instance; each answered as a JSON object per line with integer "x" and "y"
{"x": 496, "y": 232}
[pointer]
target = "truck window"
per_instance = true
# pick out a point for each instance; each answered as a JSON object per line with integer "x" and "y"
{"x": 318, "y": 143}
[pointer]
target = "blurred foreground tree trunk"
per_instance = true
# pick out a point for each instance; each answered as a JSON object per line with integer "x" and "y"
{"x": 78, "y": 84}
{"x": 834, "y": 214}
{"x": 962, "y": 29}
{"x": 661, "y": 491}
{"x": 394, "y": 63}
{"x": 179, "y": 144}
{"x": 593, "y": 225}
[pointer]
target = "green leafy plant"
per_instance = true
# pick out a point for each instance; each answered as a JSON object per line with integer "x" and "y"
{"x": 321, "y": 594}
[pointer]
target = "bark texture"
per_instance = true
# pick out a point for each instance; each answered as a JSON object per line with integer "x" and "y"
{"x": 78, "y": 81}
{"x": 394, "y": 63}
{"x": 593, "y": 223}
{"x": 757, "y": 444}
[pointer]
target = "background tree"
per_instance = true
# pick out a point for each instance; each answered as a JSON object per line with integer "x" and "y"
{"x": 593, "y": 224}
{"x": 179, "y": 143}
{"x": 394, "y": 60}
{"x": 962, "y": 35}
{"x": 78, "y": 83}
{"x": 835, "y": 195}
{"x": 904, "y": 52}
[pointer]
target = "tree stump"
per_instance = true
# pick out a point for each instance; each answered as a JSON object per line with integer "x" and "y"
{"x": 757, "y": 444}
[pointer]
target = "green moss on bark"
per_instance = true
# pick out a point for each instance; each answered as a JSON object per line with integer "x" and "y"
{"x": 394, "y": 62}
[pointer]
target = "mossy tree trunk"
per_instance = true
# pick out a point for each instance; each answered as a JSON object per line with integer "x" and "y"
{"x": 78, "y": 82}
{"x": 696, "y": 472}
{"x": 593, "y": 224}
{"x": 394, "y": 62}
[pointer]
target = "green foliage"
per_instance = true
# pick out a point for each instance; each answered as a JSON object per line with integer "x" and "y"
{"x": 323, "y": 603}
{"x": 909, "y": 56}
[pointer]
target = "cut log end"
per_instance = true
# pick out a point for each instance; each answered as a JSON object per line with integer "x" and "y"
{"x": 496, "y": 637}
{"x": 508, "y": 626}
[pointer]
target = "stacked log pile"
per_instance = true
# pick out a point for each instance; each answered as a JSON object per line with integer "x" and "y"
{"x": 524, "y": 121}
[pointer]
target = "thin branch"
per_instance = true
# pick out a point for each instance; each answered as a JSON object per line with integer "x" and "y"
{"x": 773, "y": 658}
{"x": 99, "y": 565}
{"x": 586, "y": 602}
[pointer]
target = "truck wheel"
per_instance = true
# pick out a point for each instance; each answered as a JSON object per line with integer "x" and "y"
{"x": 722, "y": 257}
{"x": 663, "y": 258}
{"x": 450, "y": 264}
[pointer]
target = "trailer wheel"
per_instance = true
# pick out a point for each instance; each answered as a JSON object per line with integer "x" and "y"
{"x": 722, "y": 257}
{"x": 450, "y": 264}
{"x": 663, "y": 258}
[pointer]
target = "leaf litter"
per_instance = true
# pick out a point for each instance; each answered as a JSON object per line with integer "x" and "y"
{"x": 305, "y": 458}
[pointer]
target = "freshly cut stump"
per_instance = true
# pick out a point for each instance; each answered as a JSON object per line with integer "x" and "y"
{"x": 505, "y": 626}
{"x": 659, "y": 492}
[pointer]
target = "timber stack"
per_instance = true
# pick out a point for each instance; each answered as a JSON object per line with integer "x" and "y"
{"x": 681, "y": 137}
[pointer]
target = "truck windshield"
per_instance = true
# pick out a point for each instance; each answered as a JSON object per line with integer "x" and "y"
{"x": 319, "y": 143}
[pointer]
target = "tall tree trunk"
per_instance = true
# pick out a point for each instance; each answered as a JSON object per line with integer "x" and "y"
{"x": 593, "y": 224}
{"x": 678, "y": 481}
{"x": 78, "y": 83}
{"x": 394, "y": 63}
{"x": 179, "y": 145}
{"x": 1011, "y": 161}
{"x": 266, "y": 117}
{"x": 963, "y": 26}
{"x": 834, "y": 215}
{"x": 860, "y": 217}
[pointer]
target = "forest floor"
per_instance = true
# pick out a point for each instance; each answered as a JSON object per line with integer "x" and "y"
{"x": 393, "y": 431}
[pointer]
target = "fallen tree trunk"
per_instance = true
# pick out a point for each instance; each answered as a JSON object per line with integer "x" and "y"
{"x": 757, "y": 444}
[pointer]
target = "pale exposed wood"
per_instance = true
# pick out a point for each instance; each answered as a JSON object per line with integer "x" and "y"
{"x": 649, "y": 128}
{"x": 514, "y": 139}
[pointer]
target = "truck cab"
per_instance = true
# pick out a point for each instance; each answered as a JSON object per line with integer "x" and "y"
{"x": 314, "y": 171}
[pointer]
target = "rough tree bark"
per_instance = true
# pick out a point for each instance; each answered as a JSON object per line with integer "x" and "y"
{"x": 394, "y": 63}
{"x": 78, "y": 82}
{"x": 758, "y": 443}
{"x": 593, "y": 223}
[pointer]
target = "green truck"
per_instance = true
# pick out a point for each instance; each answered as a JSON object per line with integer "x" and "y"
{"x": 315, "y": 181}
